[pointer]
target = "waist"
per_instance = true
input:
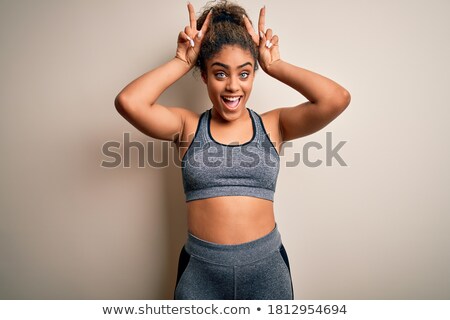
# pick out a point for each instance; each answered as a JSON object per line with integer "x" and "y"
{"x": 231, "y": 219}
{"x": 238, "y": 254}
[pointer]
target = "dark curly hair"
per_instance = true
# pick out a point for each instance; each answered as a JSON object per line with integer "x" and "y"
{"x": 226, "y": 27}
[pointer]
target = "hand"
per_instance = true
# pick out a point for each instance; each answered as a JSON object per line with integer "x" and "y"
{"x": 269, "y": 54}
{"x": 190, "y": 39}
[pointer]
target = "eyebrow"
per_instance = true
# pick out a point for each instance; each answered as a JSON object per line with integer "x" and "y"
{"x": 228, "y": 67}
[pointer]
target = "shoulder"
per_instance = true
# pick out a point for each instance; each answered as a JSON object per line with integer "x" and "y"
{"x": 270, "y": 117}
{"x": 186, "y": 114}
{"x": 190, "y": 120}
{"x": 271, "y": 123}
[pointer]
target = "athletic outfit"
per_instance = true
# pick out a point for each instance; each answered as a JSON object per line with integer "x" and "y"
{"x": 211, "y": 169}
{"x": 257, "y": 269}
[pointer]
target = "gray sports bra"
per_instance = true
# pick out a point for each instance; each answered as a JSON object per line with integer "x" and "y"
{"x": 211, "y": 169}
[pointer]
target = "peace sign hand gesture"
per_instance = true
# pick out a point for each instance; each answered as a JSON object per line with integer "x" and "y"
{"x": 189, "y": 40}
{"x": 269, "y": 53}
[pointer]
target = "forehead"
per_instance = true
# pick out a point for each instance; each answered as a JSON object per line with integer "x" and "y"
{"x": 232, "y": 56}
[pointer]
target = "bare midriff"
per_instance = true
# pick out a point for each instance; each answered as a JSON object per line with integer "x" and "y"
{"x": 230, "y": 219}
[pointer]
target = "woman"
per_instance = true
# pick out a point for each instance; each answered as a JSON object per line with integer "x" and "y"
{"x": 229, "y": 152}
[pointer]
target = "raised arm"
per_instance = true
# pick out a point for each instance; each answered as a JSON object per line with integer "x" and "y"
{"x": 327, "y": 99}
{"x": 137, "y": 102}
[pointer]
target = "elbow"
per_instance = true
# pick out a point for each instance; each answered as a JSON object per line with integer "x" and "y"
{"x": 336, "y": 102}
{"x": 122, "y": 104}
{"x": 128, "y": 104}
{"x": 119, "y": 102}
{"x": 344, "y": 98}
{"x": 341, "y": 100}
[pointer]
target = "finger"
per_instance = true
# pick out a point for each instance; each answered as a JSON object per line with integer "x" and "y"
{"x": 184, "y": 38}
{"x": 262, "y": 19}
{"x": 205, "y": 26}
{"x": 269, "y": 34}
{"x": 275, "y": 40}
{"x": 250, "y": 30}
{"x": 262, "y": 39}
{"x": 181, "y": 37}
{"x": 192, "y": 19}
{"x": 189, "y": 35}
{"x": 189, "y": 31}
{"x": 272, "y": 42}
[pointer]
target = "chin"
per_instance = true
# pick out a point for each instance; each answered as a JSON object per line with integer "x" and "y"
{"x": 230, "y": 115}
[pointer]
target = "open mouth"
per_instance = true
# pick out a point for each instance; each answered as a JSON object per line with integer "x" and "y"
{"x": 231, "y": 102}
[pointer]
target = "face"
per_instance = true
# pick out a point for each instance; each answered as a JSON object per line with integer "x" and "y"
{"x": 229, "y": 78}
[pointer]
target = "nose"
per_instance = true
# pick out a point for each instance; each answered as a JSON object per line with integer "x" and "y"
{"x": 232, "y": 84}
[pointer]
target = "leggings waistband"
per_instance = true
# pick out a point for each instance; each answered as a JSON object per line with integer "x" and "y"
{"x": 238, "y": 254}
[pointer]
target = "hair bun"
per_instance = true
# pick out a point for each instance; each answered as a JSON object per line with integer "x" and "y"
{"x": 223, "y": 15}
{"x": 226, "y": 28}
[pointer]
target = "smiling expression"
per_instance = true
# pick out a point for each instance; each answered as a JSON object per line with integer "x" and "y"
{"x": 229, "y": 79}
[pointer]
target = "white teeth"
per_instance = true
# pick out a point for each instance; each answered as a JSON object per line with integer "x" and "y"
{"x": 232, "y": 98}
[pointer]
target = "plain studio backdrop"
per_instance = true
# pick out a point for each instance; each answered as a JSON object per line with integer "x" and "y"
{"x": 374, "y": 228}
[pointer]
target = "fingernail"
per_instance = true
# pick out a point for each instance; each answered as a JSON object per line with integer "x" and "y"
{"x": 261, "y": 34}
{"x": 191, "y": 41}
{"x": 267, "y": 43}
{"x": 199, "y": 34}
{"x": 270, "y": 45}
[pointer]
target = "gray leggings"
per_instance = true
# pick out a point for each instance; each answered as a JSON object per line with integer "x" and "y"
{"x": 250, "y": 271}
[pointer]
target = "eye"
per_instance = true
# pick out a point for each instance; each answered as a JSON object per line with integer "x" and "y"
{"x": 220, "y": 75}
{"x": 245, "y": 75}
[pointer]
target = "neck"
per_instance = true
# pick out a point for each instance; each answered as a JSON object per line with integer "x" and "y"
{"x": 243, "y": 115}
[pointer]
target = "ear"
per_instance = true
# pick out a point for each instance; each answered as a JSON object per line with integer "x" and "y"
{"x": 204, "y": 77}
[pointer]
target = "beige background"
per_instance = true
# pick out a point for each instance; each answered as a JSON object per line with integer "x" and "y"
{"x": 70, "y": 229}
